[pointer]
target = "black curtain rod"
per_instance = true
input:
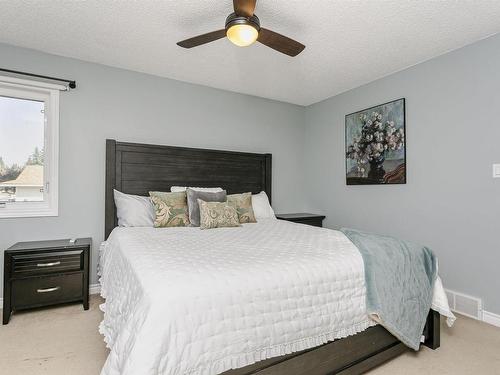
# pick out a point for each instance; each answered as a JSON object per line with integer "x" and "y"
{"x": 71, "y": 84}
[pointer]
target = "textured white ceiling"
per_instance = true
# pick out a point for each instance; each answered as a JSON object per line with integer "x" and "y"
{"x": 348, "y": 43}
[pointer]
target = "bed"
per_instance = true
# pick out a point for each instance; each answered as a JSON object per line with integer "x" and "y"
{"x": 185, "y": 301}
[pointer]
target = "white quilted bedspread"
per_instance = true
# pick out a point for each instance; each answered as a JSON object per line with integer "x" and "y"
{"x": 200, "y": 302}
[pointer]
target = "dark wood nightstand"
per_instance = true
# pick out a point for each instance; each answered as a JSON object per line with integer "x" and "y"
{"x": 43, "y": 273}
{"x": 303, "y": 218}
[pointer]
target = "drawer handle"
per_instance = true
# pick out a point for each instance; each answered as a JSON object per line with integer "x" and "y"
{"x": 48, "y": 264}
{"x": 48, "y": 290}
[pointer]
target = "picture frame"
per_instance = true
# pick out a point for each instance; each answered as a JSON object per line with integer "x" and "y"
{"x": 375, "y": 144}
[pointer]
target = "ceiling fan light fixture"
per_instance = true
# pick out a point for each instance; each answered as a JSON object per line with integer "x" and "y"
{"x": 242, "y": 31}
{"x": 242, "y": 35}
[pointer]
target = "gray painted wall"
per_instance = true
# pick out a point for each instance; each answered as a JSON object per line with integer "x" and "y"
{"x": 451, "y": 202}
{"x": 128, "y": 106}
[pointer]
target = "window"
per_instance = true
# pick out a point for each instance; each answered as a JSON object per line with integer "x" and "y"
{"x": 29, "y": 129}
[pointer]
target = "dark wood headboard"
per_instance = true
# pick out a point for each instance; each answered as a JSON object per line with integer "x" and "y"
{"x": 135, "y": 168}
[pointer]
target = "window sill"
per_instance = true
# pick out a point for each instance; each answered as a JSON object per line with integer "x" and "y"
{"x": 12, "y": 213}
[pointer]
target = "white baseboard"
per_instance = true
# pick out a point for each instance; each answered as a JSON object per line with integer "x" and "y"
{"x": 490, "y": 318}
{"x": 471, "y": 303}
{"x": 95, "y": 289}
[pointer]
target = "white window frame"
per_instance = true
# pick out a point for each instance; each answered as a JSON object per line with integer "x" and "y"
{"x": 49, "y": 94}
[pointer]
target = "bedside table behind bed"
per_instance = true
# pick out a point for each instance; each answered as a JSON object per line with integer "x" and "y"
{"x": 43, "y": 273}
{"x": 303, "y": 218}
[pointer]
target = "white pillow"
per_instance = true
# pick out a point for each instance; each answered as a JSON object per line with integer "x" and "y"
{"x": 177, "y": 189}
{"x": 261, "y": 207}
{"x": 134, "y": 210}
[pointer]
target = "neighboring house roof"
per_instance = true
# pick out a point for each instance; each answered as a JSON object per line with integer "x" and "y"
{"x": 30, "y": 176}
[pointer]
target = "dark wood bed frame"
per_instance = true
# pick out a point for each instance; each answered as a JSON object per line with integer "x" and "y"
{"x": 134, "y": 168}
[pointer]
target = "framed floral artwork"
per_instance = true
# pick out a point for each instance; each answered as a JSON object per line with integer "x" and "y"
{"x": 376, "y": 145}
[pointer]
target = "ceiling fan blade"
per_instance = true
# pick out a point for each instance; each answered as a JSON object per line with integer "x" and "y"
{"x": 244, "y": 8}
{"x": 202, "y": 39}
{"x": 280, "y": 42}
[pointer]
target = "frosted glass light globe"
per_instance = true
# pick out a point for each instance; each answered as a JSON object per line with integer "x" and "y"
{"x": 242, "y": 35}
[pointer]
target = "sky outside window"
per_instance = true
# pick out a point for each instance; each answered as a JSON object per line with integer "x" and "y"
{"x": 21, "y": 129}
{"x": 22, "y": 125}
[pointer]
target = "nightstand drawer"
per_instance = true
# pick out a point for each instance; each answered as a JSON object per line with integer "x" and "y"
{"x": 40, "y": 291}
{"x": 44, "y": 263}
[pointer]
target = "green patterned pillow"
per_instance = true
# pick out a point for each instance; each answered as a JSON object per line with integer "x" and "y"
{"x": 171, "y": 209}
{"x": 243, "y": 205}
{"x": 217, "y": 215}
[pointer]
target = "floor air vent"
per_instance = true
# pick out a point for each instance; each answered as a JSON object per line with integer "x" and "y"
{"x": 465, "y": 305}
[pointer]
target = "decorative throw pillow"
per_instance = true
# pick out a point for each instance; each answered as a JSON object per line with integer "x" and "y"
{"x": 194, "y": 208}
{"x": 243, "y": 205}
{"x": 217, "y": 215}
{"x": 170, "y": 208}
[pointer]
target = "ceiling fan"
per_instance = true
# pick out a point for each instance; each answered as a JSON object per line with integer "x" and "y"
{"x": 243, "y": 28}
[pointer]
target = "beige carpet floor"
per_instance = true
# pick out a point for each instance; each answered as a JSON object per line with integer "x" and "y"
{"x": 65, "y": 341}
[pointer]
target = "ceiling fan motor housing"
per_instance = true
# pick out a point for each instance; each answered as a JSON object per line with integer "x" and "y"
{"x": 233, "y": 19}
